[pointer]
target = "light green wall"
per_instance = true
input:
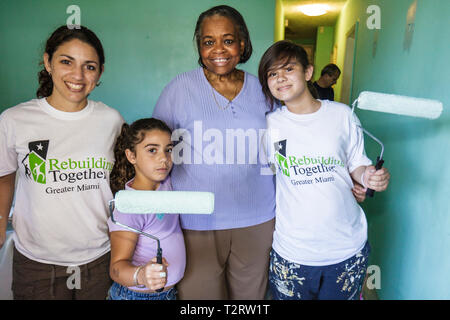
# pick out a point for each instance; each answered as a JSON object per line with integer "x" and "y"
{"x": 146, "y": 44}
{"x": 409, "y": 225}
{"x": 324, "y": 49}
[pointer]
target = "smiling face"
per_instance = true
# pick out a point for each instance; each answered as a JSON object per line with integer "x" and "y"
{"x": 220, "y": 47}
{"x": 152, "y": 159}
{"x": 75, "y": 70}
{"x": 288, "y": 82}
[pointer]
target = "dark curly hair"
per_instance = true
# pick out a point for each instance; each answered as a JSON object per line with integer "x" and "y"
{"x": 59, "y": 36}
{"x": 130, "y": 136}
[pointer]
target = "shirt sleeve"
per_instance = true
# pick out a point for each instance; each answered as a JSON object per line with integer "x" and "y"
{"x": 265, "y": 149}
{"x": 165, "y": 106}
{"x": 135, "y": 221}
{"x": 267, "y": 152}
{"x": 356, "y": 153}
{"x": 8, "y": 154}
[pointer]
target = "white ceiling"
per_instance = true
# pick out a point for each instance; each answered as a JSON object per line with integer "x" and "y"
{"x": 301, "y": 26}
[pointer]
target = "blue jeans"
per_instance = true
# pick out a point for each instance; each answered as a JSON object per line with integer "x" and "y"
{"x": 119, "y": 292}
{"x": 342, "y": 281}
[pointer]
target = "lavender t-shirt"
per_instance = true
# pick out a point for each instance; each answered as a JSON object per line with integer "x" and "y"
{"x": 165, "y": 227}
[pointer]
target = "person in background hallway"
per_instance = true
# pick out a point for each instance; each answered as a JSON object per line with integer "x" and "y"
{"x": 328, "y": 77}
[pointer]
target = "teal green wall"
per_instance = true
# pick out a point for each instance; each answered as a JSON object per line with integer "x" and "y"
{"x": 409, "y": 225}
{"x": 146, "y": 44}
{"x": 324, "y": 49}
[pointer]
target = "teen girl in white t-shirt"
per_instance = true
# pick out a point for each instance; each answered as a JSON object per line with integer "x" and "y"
{"x": 320, "y": 247}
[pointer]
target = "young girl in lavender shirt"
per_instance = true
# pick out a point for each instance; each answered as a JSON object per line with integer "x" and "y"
{"x": 143, "y": 162}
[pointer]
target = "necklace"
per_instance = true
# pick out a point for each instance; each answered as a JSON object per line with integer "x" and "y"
{"x": 229, "y": 101}
{"x": 238, "y": 78}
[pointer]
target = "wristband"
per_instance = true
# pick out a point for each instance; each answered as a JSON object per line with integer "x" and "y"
{"x": 135, "y": 278}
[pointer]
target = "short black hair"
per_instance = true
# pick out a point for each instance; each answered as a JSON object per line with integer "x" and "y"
{"x": 330, "y": 69}
{"x": 239, "y": 23}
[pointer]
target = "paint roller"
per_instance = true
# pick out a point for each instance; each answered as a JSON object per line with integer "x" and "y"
{"x": 401, "y": 105}
{"x": 160, "y": 202}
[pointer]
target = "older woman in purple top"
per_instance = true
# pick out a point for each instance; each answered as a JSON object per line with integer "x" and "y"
{"x": 217, "y": 113}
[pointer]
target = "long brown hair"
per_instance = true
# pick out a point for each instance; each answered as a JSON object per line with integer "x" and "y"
{"x": 130, "y": 136}
{"x": 59, "y": 36}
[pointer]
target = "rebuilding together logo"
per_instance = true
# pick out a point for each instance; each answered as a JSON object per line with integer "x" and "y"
{"x": 36, "y": 156}
{"x": 44, "y": 171}
{"x": 304, "y": 165}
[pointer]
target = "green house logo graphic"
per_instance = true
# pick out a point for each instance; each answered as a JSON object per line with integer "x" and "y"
{"x": 35, "y": 166}
{"x": 280, "y": 157}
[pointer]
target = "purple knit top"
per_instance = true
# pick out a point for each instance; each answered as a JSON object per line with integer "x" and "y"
{"x": 218, "y": 150}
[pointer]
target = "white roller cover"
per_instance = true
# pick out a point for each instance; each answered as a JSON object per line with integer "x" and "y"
{"x": 167, "y": 202}
{"x": 407, "y": 106}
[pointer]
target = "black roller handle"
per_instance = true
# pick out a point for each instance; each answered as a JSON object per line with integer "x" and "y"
{"x": 159, "y": 261}
{"x": 378, "y": 166}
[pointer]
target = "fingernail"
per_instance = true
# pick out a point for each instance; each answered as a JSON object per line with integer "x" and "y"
{"x": 157, "y": 267}
{"x": 162, "y": 274}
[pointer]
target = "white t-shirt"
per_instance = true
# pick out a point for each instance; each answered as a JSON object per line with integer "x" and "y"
{"x": 63, "y": 161}
{"x": 318, "y": 221}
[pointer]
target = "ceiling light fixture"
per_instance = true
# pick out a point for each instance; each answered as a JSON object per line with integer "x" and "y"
{"x": 314, "y": 10}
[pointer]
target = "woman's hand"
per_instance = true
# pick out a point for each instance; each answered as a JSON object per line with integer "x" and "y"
{"x": 154, "y": 275}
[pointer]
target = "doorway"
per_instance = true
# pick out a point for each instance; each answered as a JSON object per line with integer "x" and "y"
{"x": 349, "y": 63}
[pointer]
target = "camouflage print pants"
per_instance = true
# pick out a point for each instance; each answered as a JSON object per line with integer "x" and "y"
{"x": 342, "y": 281}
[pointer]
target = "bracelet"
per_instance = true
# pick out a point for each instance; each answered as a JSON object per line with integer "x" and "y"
{"x": 135, "y": 278}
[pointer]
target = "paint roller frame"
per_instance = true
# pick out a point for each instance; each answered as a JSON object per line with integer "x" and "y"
{"x": 206, "y": 195}
{"x": 158, "y": 250}
{"x": 415, "y": 107}
{"x": 380, "y": 161}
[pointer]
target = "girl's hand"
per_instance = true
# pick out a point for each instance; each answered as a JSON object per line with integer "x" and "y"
{"x": 377, "y": 180}
{"x": 154, "y": 275}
